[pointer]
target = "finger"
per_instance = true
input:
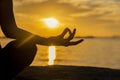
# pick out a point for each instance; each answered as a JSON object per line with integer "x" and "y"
{"x": 76, "y": 42}
{"x": 71, "y": 36}
{"x": 65, "y": 32}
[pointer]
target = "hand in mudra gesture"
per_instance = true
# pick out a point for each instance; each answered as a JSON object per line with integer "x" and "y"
{"x": 61, "y": 41}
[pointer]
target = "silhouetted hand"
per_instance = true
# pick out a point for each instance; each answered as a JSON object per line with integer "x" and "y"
{"x": 61, "y": 41}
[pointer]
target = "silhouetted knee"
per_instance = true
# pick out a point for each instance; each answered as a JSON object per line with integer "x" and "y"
{"x": 22, "y": 54}
{"x": 18, "y": 57}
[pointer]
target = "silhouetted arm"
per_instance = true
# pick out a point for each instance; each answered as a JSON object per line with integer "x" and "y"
{"x": 8, "y": 23}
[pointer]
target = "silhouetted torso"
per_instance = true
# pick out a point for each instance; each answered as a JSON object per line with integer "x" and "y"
{"x": 13, "y": 58}
{"x": 19, "y": 54}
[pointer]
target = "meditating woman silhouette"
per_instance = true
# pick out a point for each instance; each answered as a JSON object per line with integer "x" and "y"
{"x": 19, "y": 54}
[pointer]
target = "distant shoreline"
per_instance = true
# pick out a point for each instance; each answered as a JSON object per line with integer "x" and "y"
{"x": 98, "y": 37}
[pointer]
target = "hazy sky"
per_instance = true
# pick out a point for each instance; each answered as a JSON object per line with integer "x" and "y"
{"x": 90, "y": 17}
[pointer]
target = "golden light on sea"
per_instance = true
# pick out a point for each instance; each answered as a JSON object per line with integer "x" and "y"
{"x": 51, "y": 55}
{"x": 51, "y": 22}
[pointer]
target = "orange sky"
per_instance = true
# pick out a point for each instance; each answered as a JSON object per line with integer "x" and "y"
{"x": 90, "y": 17}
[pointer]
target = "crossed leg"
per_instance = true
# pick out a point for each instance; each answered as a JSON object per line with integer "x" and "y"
{"x": 15, "y": 58}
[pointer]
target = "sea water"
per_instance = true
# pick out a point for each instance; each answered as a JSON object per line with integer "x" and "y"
{"x": 97, "y": 52}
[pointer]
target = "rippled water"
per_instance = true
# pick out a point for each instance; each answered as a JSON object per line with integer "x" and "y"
{"x": 96, "y": 52}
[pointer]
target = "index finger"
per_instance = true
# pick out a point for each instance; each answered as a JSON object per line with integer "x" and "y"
{"x": 65, "y": 32}
{"x": 71, "y": 35}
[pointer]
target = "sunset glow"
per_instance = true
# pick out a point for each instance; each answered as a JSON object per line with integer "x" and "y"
{"x": 51, "y": 22}
{"x": 99, "y": 18}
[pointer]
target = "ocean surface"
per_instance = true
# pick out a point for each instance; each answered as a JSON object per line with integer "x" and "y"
{"x": 97, "y": 52}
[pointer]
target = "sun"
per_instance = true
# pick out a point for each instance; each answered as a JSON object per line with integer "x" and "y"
{"x": 51, "y": 22}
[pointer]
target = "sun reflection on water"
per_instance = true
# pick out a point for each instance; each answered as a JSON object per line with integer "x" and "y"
{"x": 51, "y": 55}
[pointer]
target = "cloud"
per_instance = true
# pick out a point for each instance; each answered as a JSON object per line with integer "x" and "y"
{"x": 24, "y": 2}
{"x": 87, "y": 13}
{"x": 51, "y": 7}
{"x": 96, "y": 7}
{"x": 102, "y": 13}
{"x": 102, "y": 9}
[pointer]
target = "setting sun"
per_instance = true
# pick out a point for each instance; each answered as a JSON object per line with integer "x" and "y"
{"x": 51, "y": 22}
